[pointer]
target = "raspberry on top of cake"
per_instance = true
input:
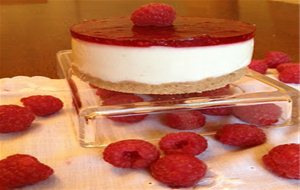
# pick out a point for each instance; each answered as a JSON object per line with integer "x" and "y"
{"x": 160, "y": 56}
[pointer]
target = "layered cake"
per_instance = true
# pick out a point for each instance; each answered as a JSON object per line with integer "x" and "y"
{"x": 191, "y": 55}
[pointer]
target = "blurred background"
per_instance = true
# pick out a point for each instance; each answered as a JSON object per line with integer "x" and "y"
{"x": 32, "y": 31}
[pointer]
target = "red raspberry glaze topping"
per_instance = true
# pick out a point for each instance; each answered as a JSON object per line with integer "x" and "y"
{"x": 284, "y": 160}
{"x": 154, "y": 14}
{"x": 185, "y": 32}
{"x": 131, "y": 153}
{"x": 20, "y": 170}
{"x": 178, "y": 170}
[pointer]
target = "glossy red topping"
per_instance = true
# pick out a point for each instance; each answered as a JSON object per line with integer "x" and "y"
{"x": 185, "y": 32}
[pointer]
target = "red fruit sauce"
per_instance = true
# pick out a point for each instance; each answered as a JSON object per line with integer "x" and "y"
{"x": 185, "y": 32}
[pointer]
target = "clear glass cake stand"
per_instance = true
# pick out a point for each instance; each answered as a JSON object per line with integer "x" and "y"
{"x": 97, "y": 129}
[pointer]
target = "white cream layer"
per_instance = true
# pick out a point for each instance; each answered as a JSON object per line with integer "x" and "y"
{"x": 159, "y": 64}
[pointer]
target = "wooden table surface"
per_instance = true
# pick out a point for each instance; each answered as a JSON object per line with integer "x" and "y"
{"x": 33, "y": 31}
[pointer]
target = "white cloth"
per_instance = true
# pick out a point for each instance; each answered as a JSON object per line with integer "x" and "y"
{"x": 53, "y": 141}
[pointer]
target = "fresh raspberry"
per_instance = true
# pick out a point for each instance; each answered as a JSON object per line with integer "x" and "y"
{"x": 178, "y": 170}
{"x": 218, "y": 111}
{"x": 125, "y": 99}
{"x": 261, "y": 114}
{"x": 184, "y": 120}
{"x": 274, "y": 58}
{"x": 260, "y": 66}
{"x": 2, "y": 187}
{"x": 241, "y": 135}
{"x": 283, "y": 66}
{"x": 131, "y": 153}
{"x": 290, "y": 75}
{"x": 20, "y": 170}
{"x": 154, "y": 14}
{"x": 284, "y": 160}
{"x": 103, "y": 93}
{"x": 183, "y": 142}
{"x": 42, "y": 105}
{"x": 14, "y": 118}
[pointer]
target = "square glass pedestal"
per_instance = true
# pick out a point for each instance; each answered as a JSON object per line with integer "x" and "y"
{"x": 99, "y": 125}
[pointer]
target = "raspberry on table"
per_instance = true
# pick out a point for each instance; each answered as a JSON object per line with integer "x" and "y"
{"x": 154, "y": 14}
{"x": 290, "y": 75}
{"x": 125, "y": 99}
{"x": 241, "y": 135}
{"x": 42, "y": 105}
{"x": 283, "y": 66}
{"x": 14, "y": 118}
{"x": 216, "y": 110}
{"x": 2, "y": 187}
{"x": 275, "y": 58}
{"x": 21, "y": 170}
{"x": 178, "y": 170}
{"x": 260, "y": 114}
{"x": 284, "y": 160}
{"x": 184, "y": 120}
{"x": 183, "y": 142}
{"x": 131, "y": 153}
{"x": 260, "y": 66}
{"x": 104, "y": 93}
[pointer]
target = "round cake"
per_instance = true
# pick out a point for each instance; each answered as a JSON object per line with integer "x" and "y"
{"x": 192, "y": 55}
